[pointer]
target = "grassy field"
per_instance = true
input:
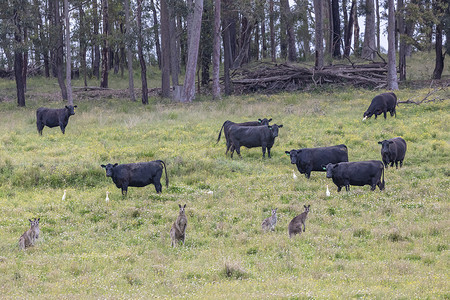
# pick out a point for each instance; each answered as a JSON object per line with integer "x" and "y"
{"x": 357, "y": 244}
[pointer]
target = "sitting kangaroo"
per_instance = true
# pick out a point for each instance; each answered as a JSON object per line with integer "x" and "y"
{"x": 270, "y": 222}
{"x": 178, "y": 230}
{"x": 31, "y": 235}
{"x": 295, "y": 226}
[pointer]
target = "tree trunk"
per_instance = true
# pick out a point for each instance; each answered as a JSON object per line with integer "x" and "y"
{"x": 369, "y": 46}
{"x": 392, "y": 70}
{"x": 96, "y": 56}
{"x": 141, "y": 54}
{"x": 105, "y": 50}
{"x": 165, "y": 55}
{"x": 336, "y": 29}
{"x": 356, "y": 50}
{"x": 156, "y": 32}
{"x": 68, "y": 54}
{"x": 227, "y": 53}
{"x": 283, "y": 29}
{"x": 272, "y": 31}
{"x": 129, "y": 45}
{"x": 402, "y": 48}
{"x": 174, "y": 62}
{"x": 206, "y": 42}
{"x": 59, "y": 51}
{"x": 318, "y": 34}
{"x": 349, "y": 31}
{"x": 439, "y": 62}
{"x": 216, "y": 51}
{"x": 263, "y": 37}
{"x": 25, "y": 59}
{"x": 194, "y": 39}
{"x": 377, "y": 6}
{"x": 18, "y": 61}
{"x": 83, "y": 31}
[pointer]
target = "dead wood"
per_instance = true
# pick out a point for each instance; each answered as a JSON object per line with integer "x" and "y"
{"x": 429, "y": 93}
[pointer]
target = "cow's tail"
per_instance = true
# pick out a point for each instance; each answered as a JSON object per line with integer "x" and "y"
{"x": 165, "y": 170}
{"x": 382, "y": 183}
{"x": 220, "y": 132}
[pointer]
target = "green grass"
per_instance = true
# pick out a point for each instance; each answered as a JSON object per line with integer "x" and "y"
{"x": 357, "y": 244}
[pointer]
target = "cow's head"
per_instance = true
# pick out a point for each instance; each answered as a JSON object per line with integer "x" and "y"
{"x": 274, "y": 129}
{"x": 330, "y": 169}
{"x": 294, "y": 154}
{"x": 109, "y": 169}
{"x": 264, "y": 121}
{"x": 70, "y": 109}
{"x": 385, "y": 146}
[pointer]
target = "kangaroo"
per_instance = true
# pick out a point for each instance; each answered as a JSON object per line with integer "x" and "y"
{"x": 31, "y": 235}
{"x": 178, "y": 230}
{"x": 270, "y": 222}
{"x": 295, "y": 226}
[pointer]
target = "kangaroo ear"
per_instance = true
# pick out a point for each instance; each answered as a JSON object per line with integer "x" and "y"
{"x": 304, "y": 206}
{"x": 30, "y": 220}
{"x": 184, "y": 206}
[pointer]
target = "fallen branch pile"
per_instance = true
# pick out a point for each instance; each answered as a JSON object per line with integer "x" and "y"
{"x": 270, "y": 78}
{"x": 425, "y": 99}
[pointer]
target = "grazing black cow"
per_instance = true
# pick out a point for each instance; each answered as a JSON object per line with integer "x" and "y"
{"x": 313, "y": 159}
{"x": 253, "y": 136}
{"x": 393, "y": 151}
{"x": 382, "y": 103}
{"x": 227, "y": 124}
{"x": 53, "y": 117}
{"x": 137, "y": 175}
{"x": 356, "y": 173}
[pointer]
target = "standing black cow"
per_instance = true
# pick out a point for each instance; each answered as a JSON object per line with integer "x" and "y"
{"x": 393, "y": 151}
{"x": 382, "y": 103}
{"x": 356, "y": 173}
{"x": 313, "y": 159}
{"x": 53, "y": 117}
{"x": 250, "y": 137}
{"x": 137, "y": 175}
{"x": 227, "y": 124}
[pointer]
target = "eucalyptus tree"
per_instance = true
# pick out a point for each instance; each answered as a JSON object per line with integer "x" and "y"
{"x": 216, "y": 51}
{"x": 68, "y": 54}
{"x": 318, "y": 12}
{"x": 141, "y": 54}
{"x": 336, "y": 29}
{"x": 392, "y": 70}
{"x": 105, "y": 46}
{"x": 129, "y": 44}
{"x": 369, "y": 44}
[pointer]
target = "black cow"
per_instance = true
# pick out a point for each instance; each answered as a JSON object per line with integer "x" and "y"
{"x": 313, "y": 159}
{"x": 251, "y": 136}
{"x": 356, "y": 173}
{"x": 137, "y": 175}
{"x": 382, "y": 103}
{"x": 227, "y": 124}
{"x": 393, "y": 151}
{"x": 53, "y": 117}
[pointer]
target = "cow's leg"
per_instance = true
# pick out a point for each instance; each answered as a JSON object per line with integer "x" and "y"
{"x": 63, "y": 128}
{"x": 392, "y": 164}
{"x": 268, "y": 152}
{"x": 40, "y": 127}
{"x": 238, "y": 151}
{"x": 158, "y": 187}
{"x": 401, "y": 163}
{"x": 264, "y": 151}
{"x": 396, "y": 164}
{"x": 384, "y": 114}
{"x": 339, "y": 188}
{"x": 124, "y": 190}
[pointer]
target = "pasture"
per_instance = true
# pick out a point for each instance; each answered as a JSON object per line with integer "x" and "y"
{"x": 357, "y": 244}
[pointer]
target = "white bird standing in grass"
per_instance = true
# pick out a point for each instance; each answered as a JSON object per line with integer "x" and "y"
{"x": 328, "y": 192}
{"x": 64, "y": 196}
{"x": 107, "y": 197}
{"x": 293, "y": 175}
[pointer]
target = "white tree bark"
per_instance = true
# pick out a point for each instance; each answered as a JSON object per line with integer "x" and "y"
{"x": 318, "y": 11}
{"x": 68, "y": 55}
{"x": 392, "y": 69}
{"x": 194, "y": 40}
{"x": 216, "y": 51}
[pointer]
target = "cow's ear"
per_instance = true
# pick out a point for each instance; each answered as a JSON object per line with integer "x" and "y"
{"x": 67, "y": 107}
{"x": 270, "y": 120}
{"x": 75, "y": 106}
{"x": 115, "y": 165}
{"x": 279, "y": 126}
{"x": 270, "y": 127}
{"x": 287, "y": 152}
{"x": 259, "y": 120}
{"x": 391, "y": 142}
{"x": 103, "y": 166}
{"x": 380, "y": 143}
{"x": 324, "y": 167}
